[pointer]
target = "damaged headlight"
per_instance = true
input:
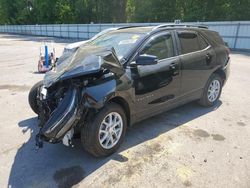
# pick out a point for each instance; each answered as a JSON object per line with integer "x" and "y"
{"x": 43, "y": 92}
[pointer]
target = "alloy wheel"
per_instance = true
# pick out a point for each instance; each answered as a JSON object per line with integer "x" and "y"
{"x": 213, "y": 90}
{"x": 110, "y": 130}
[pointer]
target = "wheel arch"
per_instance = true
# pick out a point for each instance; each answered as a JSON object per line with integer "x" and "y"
{"x": 221, "y": 73}
{"x": 123, "y": 103}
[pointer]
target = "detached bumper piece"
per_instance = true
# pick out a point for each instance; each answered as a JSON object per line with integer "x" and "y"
{"x": 61, "y": 120}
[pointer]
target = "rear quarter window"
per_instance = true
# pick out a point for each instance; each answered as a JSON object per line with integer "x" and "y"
{"x": 214, "y": 37}
{"x": 218, "y": 39}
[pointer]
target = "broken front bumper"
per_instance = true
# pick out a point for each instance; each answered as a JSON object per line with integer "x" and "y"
{"x": 61, "y": 120}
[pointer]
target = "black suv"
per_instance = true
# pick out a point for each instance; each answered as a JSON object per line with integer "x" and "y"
{"x": 125, "y": 76}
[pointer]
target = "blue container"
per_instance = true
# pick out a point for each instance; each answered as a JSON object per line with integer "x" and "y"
{"x": 46, "y": 57}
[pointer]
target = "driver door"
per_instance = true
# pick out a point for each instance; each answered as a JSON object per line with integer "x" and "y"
{"x": 157, "y": 84}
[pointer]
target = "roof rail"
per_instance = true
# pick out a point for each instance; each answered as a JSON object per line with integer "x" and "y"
{"x": 180, "y": 25}
{"x": 130, "y": 26}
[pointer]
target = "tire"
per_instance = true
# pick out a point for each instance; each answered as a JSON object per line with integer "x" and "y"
{"x": 33, "y": 96}
{"x": 206, "y": 99}
{"x": 91, "y": 136}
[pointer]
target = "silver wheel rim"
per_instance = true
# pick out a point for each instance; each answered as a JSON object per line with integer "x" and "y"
{"x": 110, "y": 130}
{"x": 213, "y": 90}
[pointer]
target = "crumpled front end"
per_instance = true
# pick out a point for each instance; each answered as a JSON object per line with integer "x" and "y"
{"x": 68, "y": 92}
{"x": 58, "y": 113}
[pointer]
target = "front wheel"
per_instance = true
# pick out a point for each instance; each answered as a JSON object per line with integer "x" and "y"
{"x": 212, "y": 91}
{"x": 103, "y": 135}
{"x": 33, "y": 96}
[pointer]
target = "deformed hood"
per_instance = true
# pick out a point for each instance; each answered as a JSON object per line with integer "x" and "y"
{"x": 87, "y": 59}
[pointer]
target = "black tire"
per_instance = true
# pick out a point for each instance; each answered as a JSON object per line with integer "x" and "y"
{"x": 204, "y": 101}
{"x": 90, "y": 131}
{"x": 33, "y": 96}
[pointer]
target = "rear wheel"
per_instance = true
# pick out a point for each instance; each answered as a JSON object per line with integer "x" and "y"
{"x": 33, "y": 96}
{"x": 212, "y": 91}
{"x": 103, "y": 135}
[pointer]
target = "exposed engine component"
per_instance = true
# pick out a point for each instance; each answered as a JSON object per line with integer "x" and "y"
{"x": 67, "y": 139}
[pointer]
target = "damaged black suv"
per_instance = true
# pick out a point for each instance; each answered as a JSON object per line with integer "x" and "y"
{"x": 125, "y": 76}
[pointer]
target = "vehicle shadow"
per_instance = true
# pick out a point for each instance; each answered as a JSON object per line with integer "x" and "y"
{"x": 58, "y": 165}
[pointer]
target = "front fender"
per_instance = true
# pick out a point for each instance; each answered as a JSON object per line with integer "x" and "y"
{"x": 96, "y": 96}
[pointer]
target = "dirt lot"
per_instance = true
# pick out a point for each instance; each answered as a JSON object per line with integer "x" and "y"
{"x": 190, "y": 146}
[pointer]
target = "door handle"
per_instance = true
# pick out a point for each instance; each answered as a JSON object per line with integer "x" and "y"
{"x": 173, "y": 66}
{"x": 208, "y": 58}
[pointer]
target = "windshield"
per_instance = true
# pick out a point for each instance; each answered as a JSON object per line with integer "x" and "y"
{"x": 102, "y": 33}
{"x": 121, "y": 42}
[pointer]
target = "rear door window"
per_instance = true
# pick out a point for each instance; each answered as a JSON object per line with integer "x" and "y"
{"x": 189, "y": 42}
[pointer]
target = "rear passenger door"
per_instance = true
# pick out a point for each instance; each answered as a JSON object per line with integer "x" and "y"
{"x": 197, "y": 61}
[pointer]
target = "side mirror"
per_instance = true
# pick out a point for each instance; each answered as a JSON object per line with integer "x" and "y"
{"x": 146, "y": 60}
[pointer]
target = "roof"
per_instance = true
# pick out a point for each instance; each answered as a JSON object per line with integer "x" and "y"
{"x": 149, "y": 29}
{"x": 134, "y": 29}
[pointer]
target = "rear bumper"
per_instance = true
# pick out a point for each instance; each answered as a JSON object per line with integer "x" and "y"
{"x": 62, "y": 119}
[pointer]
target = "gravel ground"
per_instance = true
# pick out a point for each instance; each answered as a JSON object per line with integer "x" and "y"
{"x": 188, "y": 146}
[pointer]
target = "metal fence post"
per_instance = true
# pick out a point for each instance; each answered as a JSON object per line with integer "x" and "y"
{"x": 46, "y": 30}
{"x": 88, "y": 30}
{"x": 68, "y": 30}
{"x": 53, "y": 30}
{"x": 237, "y": 35}
{"x": 77, "y": 26}
{"x": 60, "y": 30}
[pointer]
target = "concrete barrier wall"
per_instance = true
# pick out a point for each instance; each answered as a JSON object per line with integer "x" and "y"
{"x": 236, "y": 33}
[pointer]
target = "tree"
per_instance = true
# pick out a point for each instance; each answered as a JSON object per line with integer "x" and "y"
{"x": 64, "y": 12}
{"x": 116, "y": 11}
{"x": 239, "y": 10}
{"x": 3, "y": 18}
